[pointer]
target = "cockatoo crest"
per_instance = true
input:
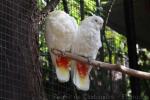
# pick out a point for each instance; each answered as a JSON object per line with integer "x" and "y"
{"x": 94, "y": 21}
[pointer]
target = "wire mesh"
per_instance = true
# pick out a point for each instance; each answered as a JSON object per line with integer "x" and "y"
{"x": 17, "y": 51}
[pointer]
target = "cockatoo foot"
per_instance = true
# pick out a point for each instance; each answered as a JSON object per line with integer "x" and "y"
{"x": 89, "y": 59}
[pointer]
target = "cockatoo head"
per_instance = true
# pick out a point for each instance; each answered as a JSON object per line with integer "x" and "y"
{"x": 94, "y": 21}
{"x": 97, "y": 21}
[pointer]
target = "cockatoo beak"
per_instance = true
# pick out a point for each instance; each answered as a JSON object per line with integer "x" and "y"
{"x": 81, "y": 76}
{"x": 101, "y": 26}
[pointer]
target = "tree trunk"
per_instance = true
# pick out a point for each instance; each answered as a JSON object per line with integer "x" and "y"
{"x": 131, "y": 41}
{"x": 20, "y": 76}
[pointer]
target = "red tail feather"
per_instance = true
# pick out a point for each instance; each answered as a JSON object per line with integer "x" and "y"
{"x": 82, "y": 69}
{"x": 62, "y": 62}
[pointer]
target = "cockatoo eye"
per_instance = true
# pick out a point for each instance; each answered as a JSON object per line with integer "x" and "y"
{"x": 96, "y": 20}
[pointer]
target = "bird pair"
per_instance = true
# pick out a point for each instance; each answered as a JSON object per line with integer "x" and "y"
{"x": 63, "y": 33}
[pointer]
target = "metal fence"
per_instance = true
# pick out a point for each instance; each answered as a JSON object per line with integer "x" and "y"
{"x": 18, "y": 51}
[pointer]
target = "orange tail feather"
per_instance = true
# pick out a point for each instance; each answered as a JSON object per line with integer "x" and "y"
{"x": 63, "y": 62}
{"x": 82, "y": 69}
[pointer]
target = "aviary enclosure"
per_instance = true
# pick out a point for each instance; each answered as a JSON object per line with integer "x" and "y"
{"x": 26, "y": 71}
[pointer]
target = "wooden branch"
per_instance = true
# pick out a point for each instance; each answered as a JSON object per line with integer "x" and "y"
{"x": 82, "y": 12}
{"x": 116, "y": 67}
{"x": 65, "y": 4}
{"x": 51, "y": 5}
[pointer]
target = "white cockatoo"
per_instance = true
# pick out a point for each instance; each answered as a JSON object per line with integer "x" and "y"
{"x": 87, "y": 44}
{"x": 61, "y": 30}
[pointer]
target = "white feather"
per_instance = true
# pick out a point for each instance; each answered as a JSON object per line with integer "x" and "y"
{"x": 60, "y": 33}
{"x": 87, "y": 44}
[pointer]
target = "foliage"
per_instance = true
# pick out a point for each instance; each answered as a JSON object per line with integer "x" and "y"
{"x": 117, "y": 43}
{"x": 41, "y": 4}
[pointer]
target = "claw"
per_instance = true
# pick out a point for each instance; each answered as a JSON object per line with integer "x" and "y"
{"x": 89, "y": 60}
{"x": 62, "y": 53}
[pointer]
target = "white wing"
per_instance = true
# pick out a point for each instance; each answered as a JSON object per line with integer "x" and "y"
{"x": 87, "y": 44}
{"x": 60, "y": 32}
